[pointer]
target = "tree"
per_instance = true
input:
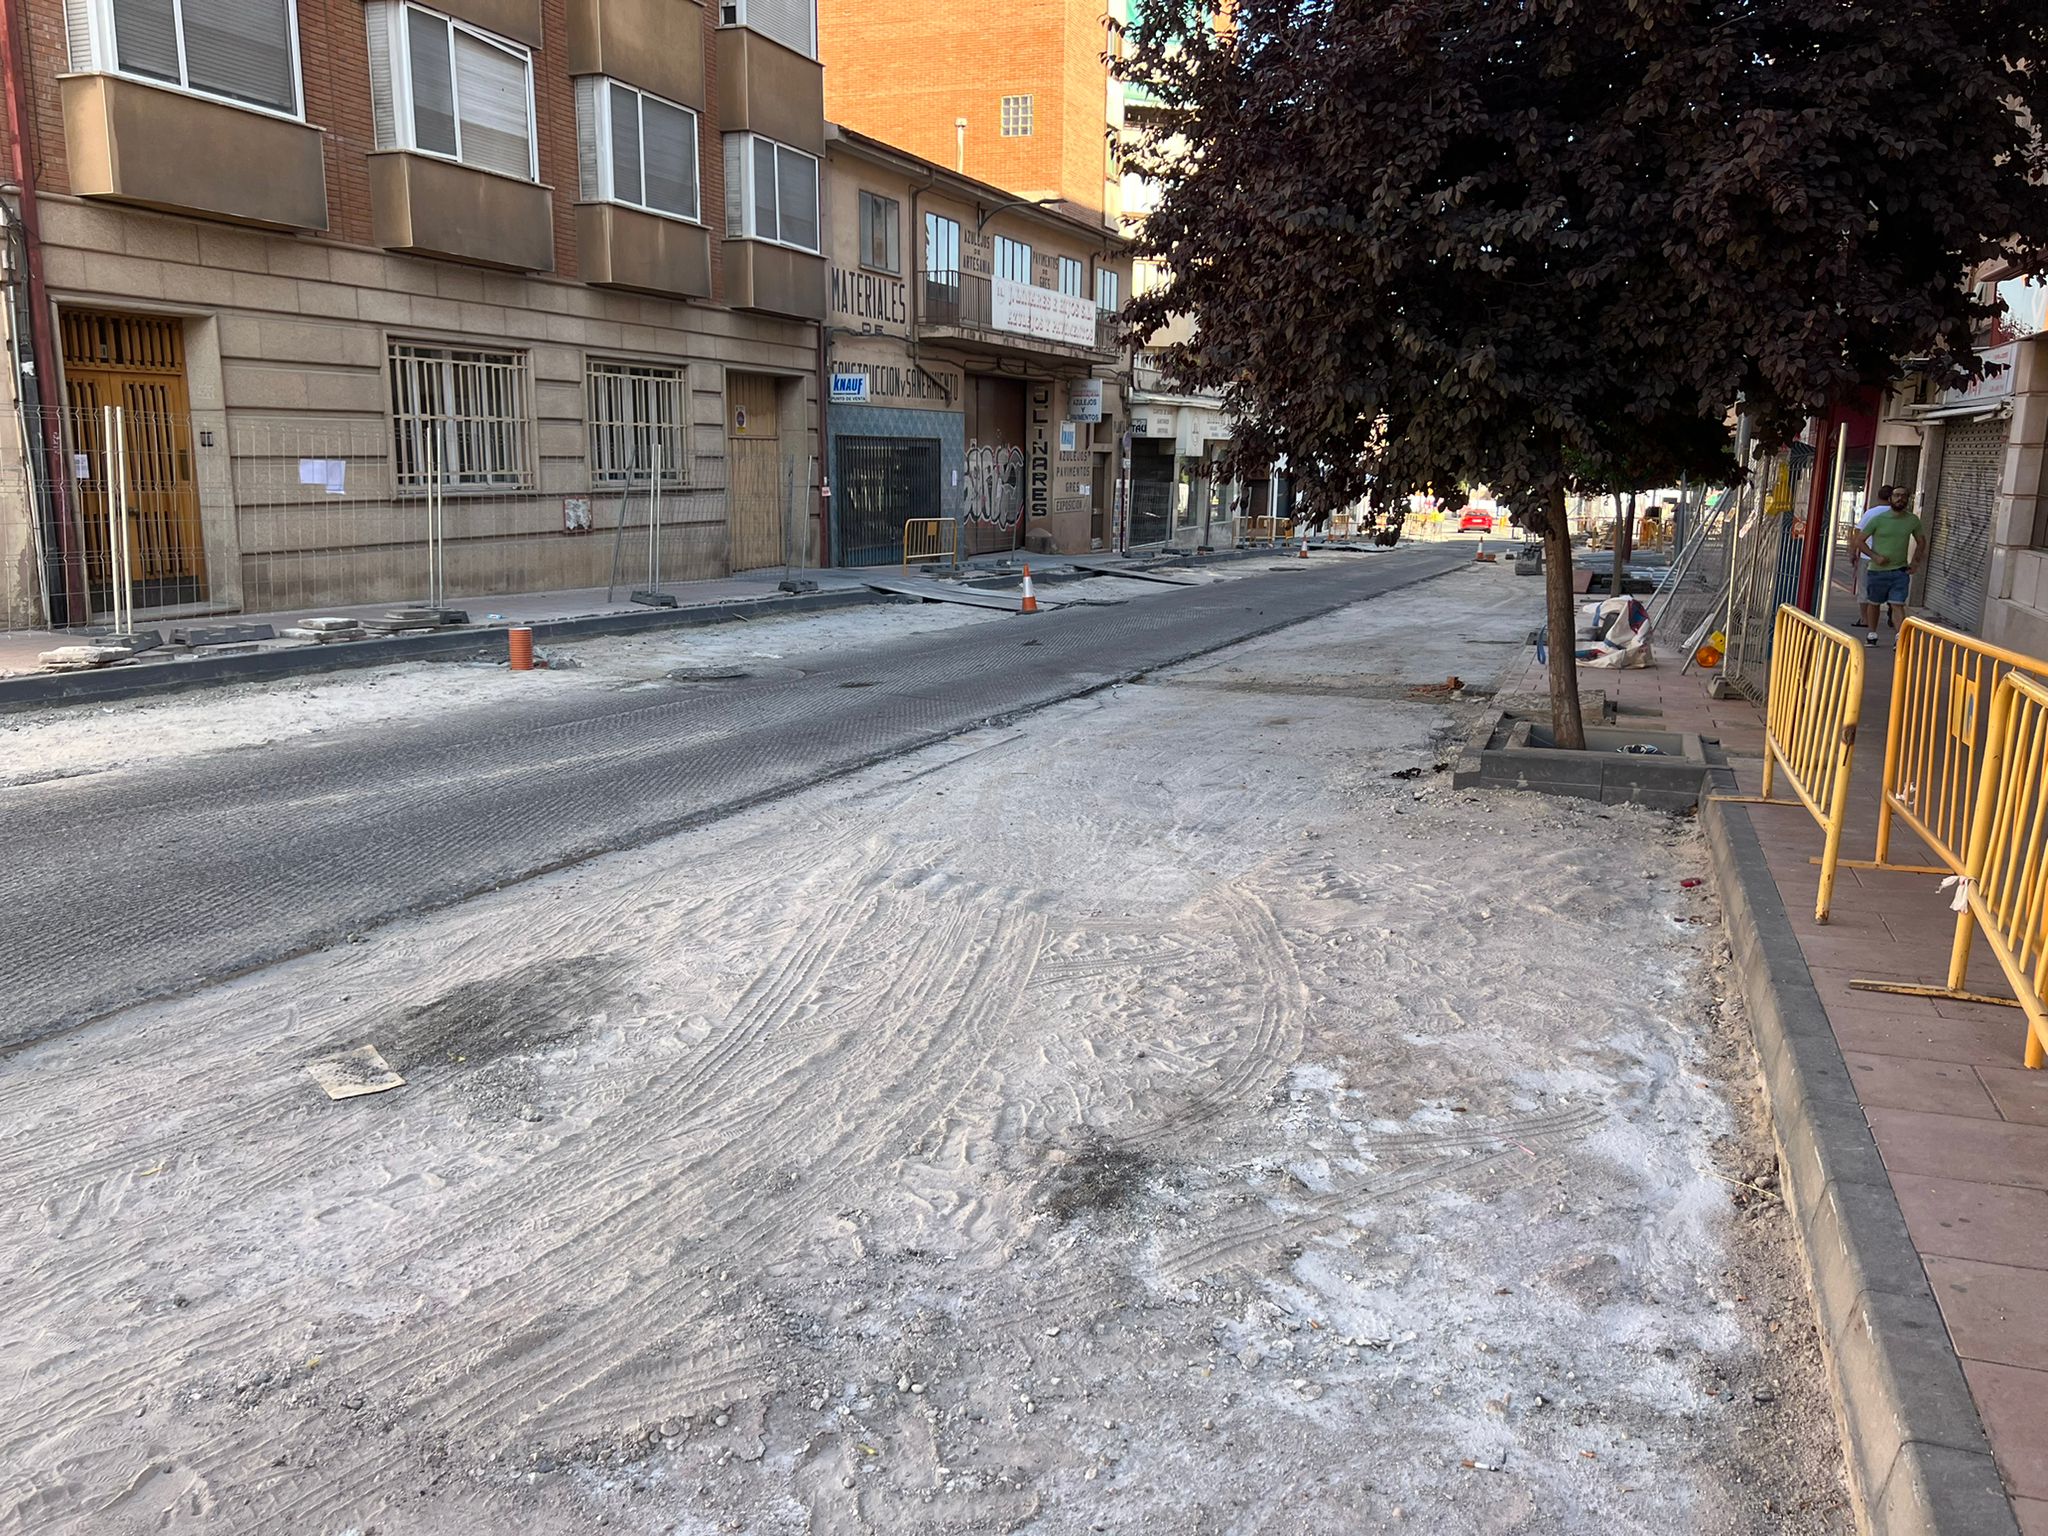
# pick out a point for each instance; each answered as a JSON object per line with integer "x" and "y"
{"x": 1550, "y": 243}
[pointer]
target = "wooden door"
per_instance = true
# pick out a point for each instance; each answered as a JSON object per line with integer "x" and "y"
{"x": 756, "y": 495}
{"x": 135, "y": 362}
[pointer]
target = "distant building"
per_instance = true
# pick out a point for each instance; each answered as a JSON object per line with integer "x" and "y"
{"x": 1014, "y": 93}
{"x": 973, "y": 361}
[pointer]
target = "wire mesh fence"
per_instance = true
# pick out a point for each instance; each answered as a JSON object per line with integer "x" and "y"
{"x": 121, "y": 513}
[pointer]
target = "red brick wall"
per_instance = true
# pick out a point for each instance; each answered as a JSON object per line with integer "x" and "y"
{"x": 335, "y": 68}
{"x": 903, "y": 71}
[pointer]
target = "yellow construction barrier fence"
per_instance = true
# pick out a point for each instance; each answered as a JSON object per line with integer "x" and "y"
{"x": 930, "y": 538}
{"x": 1810, "y": 729}
{"x": 2003, "y": 886}
{"x": 1942, "y": 683}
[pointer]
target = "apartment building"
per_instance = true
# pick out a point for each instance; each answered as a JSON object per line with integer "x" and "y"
{"x": 974, "y": 360}
{"x": 393, "y": 300}
{"x": 1014, "y": 93}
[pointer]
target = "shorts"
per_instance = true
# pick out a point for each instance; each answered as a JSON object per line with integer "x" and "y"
{"x": 1880, "y": 587}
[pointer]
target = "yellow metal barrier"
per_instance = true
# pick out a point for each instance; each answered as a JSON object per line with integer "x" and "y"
{"x": 930, "y": 538}
{"x": 2004, "y": 880}
{"x": 1810, "y": 729}
{"x": 1941, "y": 683}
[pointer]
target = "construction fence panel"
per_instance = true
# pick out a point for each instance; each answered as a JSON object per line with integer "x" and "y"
{"x": 170, "y": 515}
{"x": 1942, "y": 685}
{"x": 2002, "y": 892}
{"x": 1816, "y": 699}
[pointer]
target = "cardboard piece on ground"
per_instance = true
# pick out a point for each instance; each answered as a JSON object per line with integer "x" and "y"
{"x": 354, "y": 1073}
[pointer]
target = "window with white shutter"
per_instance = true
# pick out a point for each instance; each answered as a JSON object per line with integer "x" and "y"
{"x": 1108, "y": 289}
{"x": 243, "y": 51}
{"x": 1073, "y": 276}
{"x": 771, "y": 192}
{"x": 635, "y": 148}
{"x": 442, "y": 87}
{"x": 792, "y": 23}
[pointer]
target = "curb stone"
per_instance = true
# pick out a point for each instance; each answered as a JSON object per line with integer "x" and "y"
{"x": 1918, "y": 1461}
{"x": 40, "y": 690}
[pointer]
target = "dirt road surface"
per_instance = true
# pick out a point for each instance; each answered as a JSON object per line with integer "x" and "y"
{"x": 1151, "y": 1116}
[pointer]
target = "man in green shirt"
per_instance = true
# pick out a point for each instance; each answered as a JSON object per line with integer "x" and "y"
{"x": 1892, "y": 539}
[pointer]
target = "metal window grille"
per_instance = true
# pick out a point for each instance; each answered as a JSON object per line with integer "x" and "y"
{"x": 636, "y": 424}
{"x": 1016, "y": 117}
{"x": 459, "y": 418}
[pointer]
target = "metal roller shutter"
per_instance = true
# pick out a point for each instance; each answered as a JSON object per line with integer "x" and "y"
{"x": 1958, "y": 561}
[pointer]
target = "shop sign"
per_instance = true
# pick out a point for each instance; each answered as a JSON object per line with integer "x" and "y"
{"x": 849, "y": 388}
{"x": 1084, "y": 400}
{"x": 1038, "y": 467}
{"x": 1046, "y": 313}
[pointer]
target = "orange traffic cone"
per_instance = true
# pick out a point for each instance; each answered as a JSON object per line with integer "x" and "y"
{"x": 1304, "y": 546}
{"x": 1030, "y": 603}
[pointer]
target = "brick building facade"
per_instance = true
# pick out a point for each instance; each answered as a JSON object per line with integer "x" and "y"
{"x": 399, "y": 300}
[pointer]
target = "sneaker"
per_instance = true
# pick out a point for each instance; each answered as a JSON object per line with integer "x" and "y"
{"x": 1871, "y": 638}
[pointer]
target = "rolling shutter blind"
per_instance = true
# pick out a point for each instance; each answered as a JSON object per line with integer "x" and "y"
{"x": 796, "y": 198}
{"x": 625, "y": 128}
{"x": 78, "y": 36}
{"x": 146, "y": 38}
{"x": 433, "y": 83}
{"x": 490, "y": 92}
{"x": 668, "y": 137}
{"x": 241, "y": 49}
{"x": 383, "y": 105}
{"x": 588, "y": 187}
{"x": 791, "y": 23}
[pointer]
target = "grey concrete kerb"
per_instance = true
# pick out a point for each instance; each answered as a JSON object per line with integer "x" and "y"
{"x": 43, "y": 690}
{"x": 1918, "y": 1459}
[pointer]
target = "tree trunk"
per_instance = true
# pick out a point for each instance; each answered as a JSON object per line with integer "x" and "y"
{"x": 1624, "y": 542}
{"x": 1568, "y": 728}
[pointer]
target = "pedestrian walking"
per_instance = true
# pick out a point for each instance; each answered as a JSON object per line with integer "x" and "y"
{"x": 1891, "y": 537}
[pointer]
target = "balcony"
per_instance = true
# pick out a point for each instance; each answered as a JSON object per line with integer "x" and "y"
{"x": 1014, "y": 319}
{"x": 127, "y": 141}
{"x": 516, "y": 19}
{"x": 771, "y": 90}
{"x": 774, "y": 279}
{"x": 657, "y": 45}
{"x": 620, "y": 247}
{"x": 433, "y": 207}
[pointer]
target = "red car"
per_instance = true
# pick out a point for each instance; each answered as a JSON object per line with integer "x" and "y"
{"x": 1475, "y": 520}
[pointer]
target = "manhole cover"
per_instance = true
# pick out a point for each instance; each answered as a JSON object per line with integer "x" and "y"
{"x": 706, "y": 674}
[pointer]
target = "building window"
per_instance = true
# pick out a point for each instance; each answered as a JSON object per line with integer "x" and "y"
{"x": 636, "y": 424}
{"x": 771, "y": 192}
{"x": 942, "y": 248}
{"x": 442, "y": 87}
{"x": 1016, "y": 119}
{"x": 792, "y": 23}
{"x": 458, "y": 417}
{"x": 1013, "y": 259}
{"x": 881, "y": 231}
{"x": 1108, "y": 289}
{"x": 1073, "y": 276}
{"x": 243, "y": 51}
{"x": 635, "y": 148}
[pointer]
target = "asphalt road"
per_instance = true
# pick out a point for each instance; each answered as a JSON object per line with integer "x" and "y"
{"x": 120, "y": 888}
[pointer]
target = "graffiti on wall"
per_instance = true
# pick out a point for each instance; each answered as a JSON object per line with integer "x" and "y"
{"x": 995, "y": 484}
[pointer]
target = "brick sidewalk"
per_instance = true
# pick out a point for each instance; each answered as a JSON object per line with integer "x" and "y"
{"x": 1961, "y": 1125}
